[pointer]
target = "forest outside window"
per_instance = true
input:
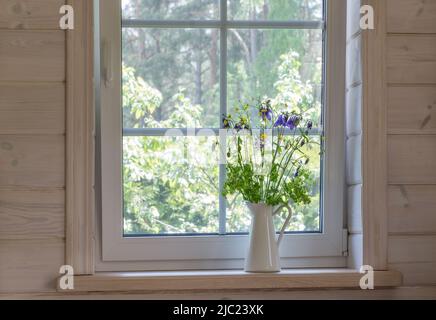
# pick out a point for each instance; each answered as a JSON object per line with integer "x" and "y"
{"x": 178, "y": 66}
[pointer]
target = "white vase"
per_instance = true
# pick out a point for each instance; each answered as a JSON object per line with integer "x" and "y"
{"x": 263, "y": 248}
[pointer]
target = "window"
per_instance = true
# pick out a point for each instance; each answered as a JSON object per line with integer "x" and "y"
{"x": 169, "y": 71}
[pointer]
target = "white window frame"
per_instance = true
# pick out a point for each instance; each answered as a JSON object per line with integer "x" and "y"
{"x": 116, "y": 252}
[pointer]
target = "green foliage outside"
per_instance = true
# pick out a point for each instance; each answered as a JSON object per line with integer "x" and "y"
{"x": 171, "y": 80}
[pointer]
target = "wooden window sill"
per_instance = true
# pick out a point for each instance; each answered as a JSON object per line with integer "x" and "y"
{"x": 228, "y": 280}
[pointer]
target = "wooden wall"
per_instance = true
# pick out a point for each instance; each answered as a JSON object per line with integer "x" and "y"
{"x": 411, "y": 106}
{"x": 32, "y": 145}
{"x": 32, "y": 142}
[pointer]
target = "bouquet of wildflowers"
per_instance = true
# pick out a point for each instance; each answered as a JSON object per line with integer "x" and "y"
{"x": 267, "y": 159}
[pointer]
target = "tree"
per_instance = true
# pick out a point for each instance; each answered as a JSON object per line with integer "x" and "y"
{"x": 171, "y": 80}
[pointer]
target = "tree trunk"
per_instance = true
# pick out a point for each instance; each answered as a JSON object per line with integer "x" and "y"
{"x": 213, "y": 58}
{"x": 198, "y": 71}
{"x": 253, "y": 36}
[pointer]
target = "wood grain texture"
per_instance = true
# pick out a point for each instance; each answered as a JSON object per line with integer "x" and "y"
{"x": 412, "y": 109}
{"x": 32, "y": 108}
{"x": 32, "y": 214}
{"x": 374, "y": 150}
{"x": 32, "y": 55}
{"x": 412, "y": 209}
{"x": 411, "y": 59}
{"x": 80, "y": 141}
{"x": 412, "y": 248}
{"x": 30, "y": 266}
{"x": 30, "y": 14}
{"x": 32, "y": 161}
{"x": 412, "y": 159}
{"x": 289, "y": 279}
{"x": 416, "y": 273}
{"x": 411, "y": 16}
{"x": 398, "y": 293}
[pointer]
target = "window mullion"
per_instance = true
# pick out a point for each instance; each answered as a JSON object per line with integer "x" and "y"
{"x": 223, "y": 110}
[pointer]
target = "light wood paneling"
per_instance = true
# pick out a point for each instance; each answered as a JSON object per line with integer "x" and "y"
{"x": 403, "y": 249}
{"x": 412, "y": 109}
{"x": 32, "y": 108}
{"x": 374, "y": 150}
{"x": 80, "y": 141}
{"x": 30, "y": 266}
{"x": 30, "y": 14}
{"x": 411, "y": 16}
{"x": 32, "y": 214}
{"x": 400, "y": 293}
{"x": 229, "y": 280}
{"x": 411, "y": 59}
{"x": 412, "y": 159}
{"x": 412, "y": 209}
{"x": 32, "y": 161}
{"x": 32, "y": 55}
{"x": 423, "y": 273}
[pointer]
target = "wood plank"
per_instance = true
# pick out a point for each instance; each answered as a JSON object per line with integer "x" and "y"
{"x": 412, "y": 159}
{"x": 400, "y": 293}
{"x": 374, "y": 150}
{"x": 420, "y": 273}
{"x": 229, "y": 280}
{"x": 412, "y": 209}
{"x": 30, "y": 266}
{"x": 412, "y": 248}
{"x": 30, "y": 14}
{"x": 32, "y": 161}
{"x": 32, "y": 214}
{"x": 80, "y": 140}
{"x": 412, "y": 109}
{"x": 32, "y": 55}
{"x": 411, "y": 59}
{"x": 411, "y": 16}
{"x": 32, "y": 108}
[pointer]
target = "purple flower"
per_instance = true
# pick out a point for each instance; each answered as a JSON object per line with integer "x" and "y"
{"x": 292, "y": 122}
{"x": 281, "y": 121}
{"x": 297, "y": 172}
{"x": 310, "y": 125}
{"x": 265, "y": 113}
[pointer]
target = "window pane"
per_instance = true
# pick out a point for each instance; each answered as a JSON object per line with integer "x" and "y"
{"x": 306, "y": 218}
{"x": 284, "y": 65}
{"x": 279, "y": 10}
{"x": 170, "y": 185}
{"x": 170, "y": 78}
{"x": 171, "y": 9}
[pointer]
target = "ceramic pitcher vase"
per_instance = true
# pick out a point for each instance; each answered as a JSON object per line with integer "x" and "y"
{"x": 263, "y": 248}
